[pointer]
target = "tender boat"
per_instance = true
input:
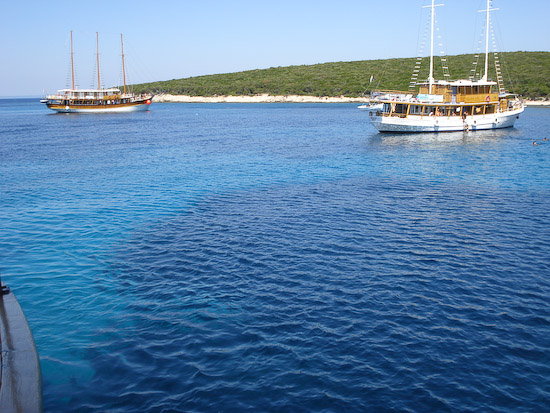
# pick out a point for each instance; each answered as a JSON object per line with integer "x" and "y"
{"x": 371, "y": 106}
{"x": 444, "y": 105}
{"x": 98, "y": 100}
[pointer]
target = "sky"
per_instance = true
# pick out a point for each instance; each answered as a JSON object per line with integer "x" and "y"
{"x": 169, "y": 39}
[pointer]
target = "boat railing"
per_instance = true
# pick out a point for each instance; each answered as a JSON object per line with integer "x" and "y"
{"x": 477, "y": 97}
{"x": 517, "y": 104}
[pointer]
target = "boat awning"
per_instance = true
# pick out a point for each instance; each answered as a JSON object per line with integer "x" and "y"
{"x": 462, "y": 82}
{"x": 110, "y": 91}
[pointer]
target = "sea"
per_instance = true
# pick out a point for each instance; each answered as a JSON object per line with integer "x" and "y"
{"x": 277, "y": 258}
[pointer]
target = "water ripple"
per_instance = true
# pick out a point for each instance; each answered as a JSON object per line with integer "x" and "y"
{"x": 275, "y": 300}
{"x": 277, "y": 258}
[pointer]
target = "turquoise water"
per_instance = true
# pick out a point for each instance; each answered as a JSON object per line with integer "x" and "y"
{"x": 277, "y": 257}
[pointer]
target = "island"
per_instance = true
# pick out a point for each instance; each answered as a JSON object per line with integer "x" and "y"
{"x": 525, "y": 73}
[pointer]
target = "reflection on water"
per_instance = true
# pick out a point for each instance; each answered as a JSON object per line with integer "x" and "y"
{"x": 471, "y": 137}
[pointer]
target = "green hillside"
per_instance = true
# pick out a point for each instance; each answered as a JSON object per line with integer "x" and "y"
{"x": 525, "y": 73}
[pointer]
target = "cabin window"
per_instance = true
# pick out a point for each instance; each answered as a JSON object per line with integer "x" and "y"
{"x": 429, "y": 110}
{"x": 467, "y": 110}
{"x": 387, "y": 107}
{"x": 415, "y": 110}
{"x": 400, "y": 108}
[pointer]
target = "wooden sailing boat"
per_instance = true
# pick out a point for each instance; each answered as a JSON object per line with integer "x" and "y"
{"x": 98, "y": 100}
{"x": 444, "y": 105}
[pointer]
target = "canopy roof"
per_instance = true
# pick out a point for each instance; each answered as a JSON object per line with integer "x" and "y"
{"x": 91, "y": 90}
{"x": 461, "y": 82}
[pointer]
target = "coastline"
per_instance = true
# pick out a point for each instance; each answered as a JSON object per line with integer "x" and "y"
{"x": 265, "y": 98}
{"x": 538, "y": 103}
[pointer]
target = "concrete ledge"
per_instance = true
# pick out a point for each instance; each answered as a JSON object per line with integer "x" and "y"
{"x": 21, "y": 380}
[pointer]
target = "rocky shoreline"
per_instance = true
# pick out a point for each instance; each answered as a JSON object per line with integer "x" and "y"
{"x": 265, "y": 98}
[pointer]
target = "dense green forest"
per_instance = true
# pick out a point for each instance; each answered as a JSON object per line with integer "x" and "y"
{"x": 524, "y": 73}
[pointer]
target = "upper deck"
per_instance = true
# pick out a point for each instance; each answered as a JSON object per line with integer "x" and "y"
{"x": 446, "y": 92}
{"x": 462, "y": 91}
{"x": 89, "y": 94}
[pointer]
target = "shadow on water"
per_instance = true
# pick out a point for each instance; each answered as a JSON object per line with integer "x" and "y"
{"x": 338, "y": 295}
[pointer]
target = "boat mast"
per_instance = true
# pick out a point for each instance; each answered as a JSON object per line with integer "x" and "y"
{"x": 431, "y": 76}
{"x": 484, "y": 78}
{"x": 123, "y": 69}
{"x": 97, "y": 57}
{"x": 72, "y": 62}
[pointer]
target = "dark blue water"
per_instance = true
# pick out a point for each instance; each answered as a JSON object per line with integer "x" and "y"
{"x": 277, "y": 258}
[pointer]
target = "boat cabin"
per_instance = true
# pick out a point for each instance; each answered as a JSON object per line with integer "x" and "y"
{"x": 463, "y": 91}
{"x": 110, "y": 96}
{"x": 447, "y": 98}
{"x": 95, "y": 94}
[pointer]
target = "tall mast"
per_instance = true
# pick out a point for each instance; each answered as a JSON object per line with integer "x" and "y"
{"x": 123, "y": 69}
{"x": 72, "y": 61}
{"x": 97, "y": 57}
{"x": 431, "y": 76}
{"x": 484, "y": 78}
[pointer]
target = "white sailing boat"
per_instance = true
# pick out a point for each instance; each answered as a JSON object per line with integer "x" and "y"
{"x": 444, "y": 105}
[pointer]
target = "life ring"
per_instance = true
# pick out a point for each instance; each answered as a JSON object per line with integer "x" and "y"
{"x": 488, "y": 98}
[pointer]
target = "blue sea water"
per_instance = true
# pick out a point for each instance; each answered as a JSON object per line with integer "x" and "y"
{"x": 277, "y": 257}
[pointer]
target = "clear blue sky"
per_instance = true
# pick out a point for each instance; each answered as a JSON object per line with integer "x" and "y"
{"x": 167, "y": 39}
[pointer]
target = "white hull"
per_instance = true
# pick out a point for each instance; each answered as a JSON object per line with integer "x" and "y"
{"x": 111, "y": 109}
{"x": 372, "y": 106}
{"x": 444, "y": 123}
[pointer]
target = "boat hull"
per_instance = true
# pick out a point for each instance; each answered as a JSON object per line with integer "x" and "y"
{"x": 371, "y": 107}
{"x": 113, "y": 108}
{"x": 412, "y": 124}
